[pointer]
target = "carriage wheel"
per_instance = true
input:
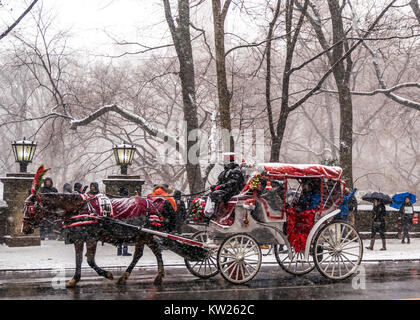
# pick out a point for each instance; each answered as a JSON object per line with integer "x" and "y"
{"x": 338, "y": 250}
{"x": 206, "y": 268}
{"x": 239, "y": 258}
{"x": 297, "y": 265}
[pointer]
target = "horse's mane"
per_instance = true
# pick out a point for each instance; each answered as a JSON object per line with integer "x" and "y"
{"x": 66, "y": 201}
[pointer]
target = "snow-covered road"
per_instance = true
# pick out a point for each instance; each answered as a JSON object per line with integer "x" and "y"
{"x": 55, "y": 254}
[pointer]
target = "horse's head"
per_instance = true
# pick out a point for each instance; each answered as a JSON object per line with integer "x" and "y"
{"x": 32, "y": 214}
{"x": 57, "y": 205}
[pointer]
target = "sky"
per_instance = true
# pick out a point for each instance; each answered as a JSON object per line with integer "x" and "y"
{"x": 89, "y": 21}
{"x": 93, "y": 23}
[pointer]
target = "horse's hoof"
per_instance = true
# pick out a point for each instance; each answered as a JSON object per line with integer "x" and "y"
{"x": 109, "y": 276}
{"x": 71, "y": 284}
{"x": 158, "y": 281}
{"x": 123, "y": 279}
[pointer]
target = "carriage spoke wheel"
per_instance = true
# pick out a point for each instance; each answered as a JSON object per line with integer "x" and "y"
{"x": 338, "y": 250}
{"x": 239, "y": 258}
{"x": 206, "y": 268}
{"x": 298, "y": 265}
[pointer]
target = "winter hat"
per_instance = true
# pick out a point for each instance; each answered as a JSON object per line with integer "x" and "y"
{"x": 77, "y": 186}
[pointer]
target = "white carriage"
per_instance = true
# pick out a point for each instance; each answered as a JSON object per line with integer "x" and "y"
{"x": 267, "y": 212}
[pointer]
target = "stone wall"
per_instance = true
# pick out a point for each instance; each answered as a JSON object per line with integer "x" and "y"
{"x": 132, "y": 183}
{"x": 3, "y": 220}
{"x": 16, "y": 189}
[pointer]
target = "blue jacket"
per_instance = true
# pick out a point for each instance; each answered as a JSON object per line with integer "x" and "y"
{"x": 309, "y": 201}
{"x": 344, "y": 205}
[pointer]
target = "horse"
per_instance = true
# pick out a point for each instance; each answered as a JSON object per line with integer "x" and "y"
{"x": 78, "y": 213}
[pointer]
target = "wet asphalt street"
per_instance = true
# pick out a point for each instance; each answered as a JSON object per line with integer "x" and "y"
{"x": 387, "y": 280}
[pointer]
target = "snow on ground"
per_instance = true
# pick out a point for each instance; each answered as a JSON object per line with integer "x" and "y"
{"x": 55, "y": 254}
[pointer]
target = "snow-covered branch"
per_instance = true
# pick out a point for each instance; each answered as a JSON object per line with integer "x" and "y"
{"x": 380, "y": 91}
{"x": 383, "y": 87}
{"x": 140, "y": 121}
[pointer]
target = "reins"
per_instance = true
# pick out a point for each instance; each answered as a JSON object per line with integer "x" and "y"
{"x": 182, "y": 195}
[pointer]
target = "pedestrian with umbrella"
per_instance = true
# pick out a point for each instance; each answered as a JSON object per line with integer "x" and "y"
{"x": 378, "y": 216}
{"x": 404, "y": 202}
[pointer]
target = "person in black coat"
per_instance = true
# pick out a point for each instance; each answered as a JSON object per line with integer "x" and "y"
{"x": 78, "y": 188}
{"x": 67, "y": 188}
{"x": 46, "y": 226}
{"x": 378, "y": 223}
{"x": 122, "y": 250}
{"x": 93, "y": 188}
{"x": 181, "y": 212}
{"x": 229, "y": 183}
{"x": 406, "y": 212}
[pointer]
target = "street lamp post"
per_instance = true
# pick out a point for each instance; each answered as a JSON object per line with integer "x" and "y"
{"x": 124, "y": 156}
{"x": 132, "y": 183}
{"x": 24, "y": 151}
{"x": 15, "y": 192}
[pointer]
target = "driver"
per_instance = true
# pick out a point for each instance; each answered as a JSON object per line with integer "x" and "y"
{"x": 229, "y": 183}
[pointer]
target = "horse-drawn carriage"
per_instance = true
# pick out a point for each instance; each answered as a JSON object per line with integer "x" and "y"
{"x": 269, "y": 210}
{"x": 289, "y": 207}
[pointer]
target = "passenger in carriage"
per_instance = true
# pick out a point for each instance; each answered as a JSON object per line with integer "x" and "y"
{"x": 310, "y": 198}
{"x": 229, "y": 183}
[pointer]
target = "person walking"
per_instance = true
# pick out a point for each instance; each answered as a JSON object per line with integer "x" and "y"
{"x": 46, "y": 225}
{"x": 378, "y": 223}
{"x": 406, "y": 213}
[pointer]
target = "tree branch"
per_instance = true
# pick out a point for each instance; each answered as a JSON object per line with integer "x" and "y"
{"x": 14, "y": 24}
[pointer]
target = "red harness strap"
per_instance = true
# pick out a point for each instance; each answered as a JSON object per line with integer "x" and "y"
{"x": 92, "y": 220}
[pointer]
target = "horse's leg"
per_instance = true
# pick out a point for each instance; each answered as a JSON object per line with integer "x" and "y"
{"x": 154, "y": 246}
{"x": 78, "y": 248}
{"x": 138, "y": 253}
{"x": 91, "y": 251}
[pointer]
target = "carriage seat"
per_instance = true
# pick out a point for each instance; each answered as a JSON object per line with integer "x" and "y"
{"x": 225, "y": 214}
{"x": 274, "y": 201}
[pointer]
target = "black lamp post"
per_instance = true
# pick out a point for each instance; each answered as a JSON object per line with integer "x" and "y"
{"x": 24, "y": 151}
{"x": 124, "y": 156}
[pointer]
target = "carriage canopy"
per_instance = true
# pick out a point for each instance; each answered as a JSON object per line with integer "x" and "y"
{"x": 300, "y": 170}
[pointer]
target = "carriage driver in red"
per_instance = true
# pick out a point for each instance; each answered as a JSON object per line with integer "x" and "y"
{"x": 229, "y": 183}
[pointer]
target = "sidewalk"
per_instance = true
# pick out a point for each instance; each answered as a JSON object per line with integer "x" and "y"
{"x": 55, "y": 255}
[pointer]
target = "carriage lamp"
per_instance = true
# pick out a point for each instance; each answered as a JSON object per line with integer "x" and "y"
{"x": 124, "y": 156}
{"x": 24, "y": 151}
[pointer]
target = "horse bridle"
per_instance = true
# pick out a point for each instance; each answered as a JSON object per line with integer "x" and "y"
{"x": 33, "y": 212}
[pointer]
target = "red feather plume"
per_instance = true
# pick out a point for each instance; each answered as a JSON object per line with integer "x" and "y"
{"x": 36, "y": 183}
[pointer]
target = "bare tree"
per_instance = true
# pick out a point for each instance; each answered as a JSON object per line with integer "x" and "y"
{"x": 18, "y": 20}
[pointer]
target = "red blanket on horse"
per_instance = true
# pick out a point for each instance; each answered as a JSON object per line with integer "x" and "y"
{"x": 125, "y": 208}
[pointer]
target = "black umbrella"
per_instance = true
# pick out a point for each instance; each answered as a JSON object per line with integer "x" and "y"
{"x": 377, "y": 195}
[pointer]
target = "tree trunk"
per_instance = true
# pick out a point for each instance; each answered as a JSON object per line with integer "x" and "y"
{"x": 224, "y": 95}
{"x": 346, "y": 134}
{"x": 416, "y": 9}
{"x": 182, "y": 41}
{"x": 342, "y": 79}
